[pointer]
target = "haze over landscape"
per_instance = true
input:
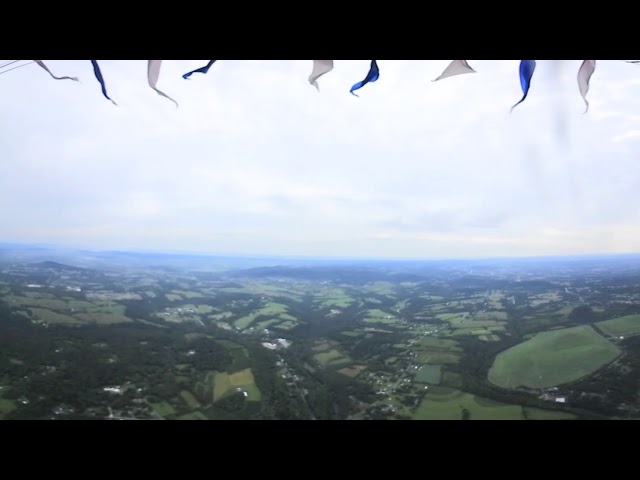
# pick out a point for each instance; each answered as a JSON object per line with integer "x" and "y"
{"x": 255, "y": 161}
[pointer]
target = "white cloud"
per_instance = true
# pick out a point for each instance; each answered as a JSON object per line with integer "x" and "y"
{"x": 255, "y": 160}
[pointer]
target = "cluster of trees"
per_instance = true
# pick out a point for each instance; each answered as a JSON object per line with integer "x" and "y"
{"x": 58, "y": 365}
{"x": 613, "y": 391}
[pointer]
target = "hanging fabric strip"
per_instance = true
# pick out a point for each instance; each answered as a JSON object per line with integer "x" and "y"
{"x": 98, "y": 74}
{"x": 584, "y": 75}
{"x": 527, "y": 67}
{"x": 153, "y": 72}
{"x": 372, "y": 76}
{"x": 204, "y": 69}
{"x": 41, "y": 63}
{"x": 457, "y": 67}
{"x": 320, "y": 67}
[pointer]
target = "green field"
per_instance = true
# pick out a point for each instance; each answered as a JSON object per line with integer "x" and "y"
{"x": 489, "y": 338}
{"x": 266, "y": 323}
{"x": 439, "y": 343}
{"x": 39, "y": 301}
{"x": 272, "y": 309}
{"x": 46, "y": 308}
{"x": 471, "y": 331}
{"x": 433, "y": 298}
{"x": 107, "y": 307}
{"x": 477, "y": 324}
{"x": 443, "y": 403}
{"x": 194, "y": 336}
{"x": 334, "y": 297}
{"x": 353, "y": 371}
{"x": 163, "y": 409}
{"x": 49, "y": 316}
{"x": 188, "y": 294}
{"x": 428, "y": 374}
{"x": 552, "y": 358}
{"x": 351, "y": 333}
{"x": 225, "y": 384}
{"x": 488, "y": 316}
{"x": 80, "y": 305}
{"x": 438, "y": 357}
{"x": 102, "y": 318}
{"x": 6, "y": 406}
{"x": 331, "y": 358}
{"x": 241, "y": 360}
{"x": 435, "y": 350}
{"x": 267, "y": 289}
{"x": 627, "y": 325}
{"x": 253, "y": 392}
{"x": 383, "y": 288}
{"x": 453, "y": 317}
{"x": 189, "y": 399}
{"x": 204, "y": 309}
{"x": 566, "y": 310}
{"x": 378, "y": 316}
{"x": 288, "y": 325}
{"x": 533, "y": 413}
{"x": 197, "y": 415}
{"x": 495, "y": 297}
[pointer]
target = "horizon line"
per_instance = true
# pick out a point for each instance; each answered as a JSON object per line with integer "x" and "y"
{"x": 312, "y": 257}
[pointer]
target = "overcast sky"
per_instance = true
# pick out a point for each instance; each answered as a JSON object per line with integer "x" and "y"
{"x": 256, "y": 161}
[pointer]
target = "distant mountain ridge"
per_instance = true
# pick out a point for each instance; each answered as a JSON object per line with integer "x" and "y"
{"x": 58, "y": 266}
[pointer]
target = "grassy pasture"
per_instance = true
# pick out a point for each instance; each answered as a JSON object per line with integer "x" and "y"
{"x": 382, "y": 288}
{"x": 324, "y": 346}
{"x": 6, "y": 406}
{"x": 352, "y": 371}
{"x": 552, "y": 358}
{"x": 453, "y": 317}
{"x": 187, "y": 293}
{"x": 266, "y": 323}
{"x": 378, "y": 316}
{"x": 197, "y": 415}
{"x": 495, "y": 297}
{"x": 225, "y": 383}
{"x": 102, "y": 318}
{"x": 189, "y": 399}
{"x": 493, "y": 315}
{"x": 39, "y": 295}
{"x": 444, "y": 403}
{"x": 288, "y": 325}
{"x": 39, "y": 302}
{"x": 429, "y": 374}
{"x": 533, "y": 413}
{"x": 272, "y": 309}
{"x": 351, "y": 333}
{"x": 489, "y": 338}
{"x": 434, "y": 350}
{"x": 477, "y": 324}
{"x": 163, "y": 409}
{"x": 470, "y": 331}
{"x": 49, "y": 316}
{"x": 334, "y": 297}
{"x": 332, "y": 358}
{"x": 326, "y": 357}
{"x": 627, "y": 325}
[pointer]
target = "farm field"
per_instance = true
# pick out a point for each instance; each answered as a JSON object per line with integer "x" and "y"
{"x": 626, "y": 325}
{"x": 443, "y": 403}
{"x": 552, "y": 358}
